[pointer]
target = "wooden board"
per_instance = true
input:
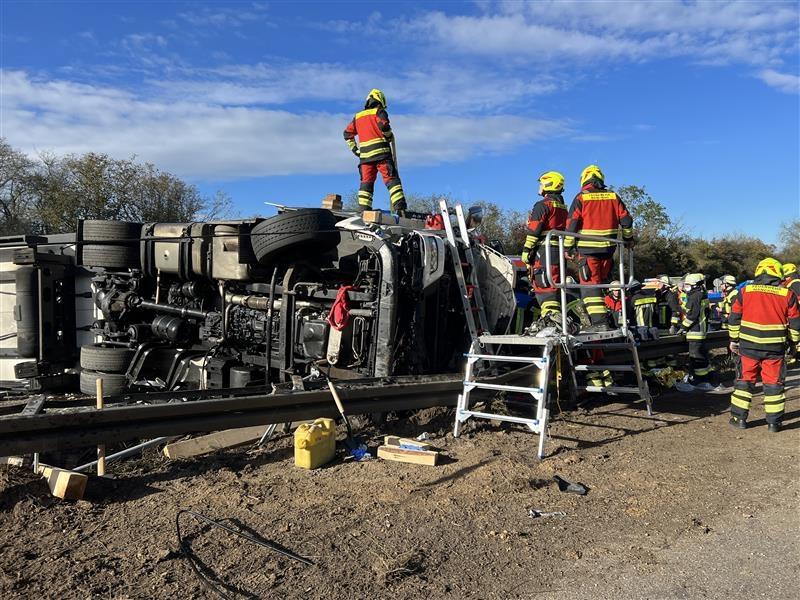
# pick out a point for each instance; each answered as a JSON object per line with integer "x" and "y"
{"x": 417, "y": 457}
{"x": 214, "y": 441}
{"x": 68, "y": 485}
{"x": 14, "y": 461}
{"x": 393, "y": 440}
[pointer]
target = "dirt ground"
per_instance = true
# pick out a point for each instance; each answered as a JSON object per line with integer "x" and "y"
{"x": 680, "y": 505}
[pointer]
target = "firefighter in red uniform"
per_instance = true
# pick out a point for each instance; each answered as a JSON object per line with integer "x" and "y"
{"x": 762, "y": 315}
{"x": 548, "y": 213}
{"x": 598, "y": 212}
{"x": 374, "y": 149}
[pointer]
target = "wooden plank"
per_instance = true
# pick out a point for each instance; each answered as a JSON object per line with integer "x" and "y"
{"x": 64, "y": 484}
{"x": 417, "y": 457}
{"x": 14, "y": 461}
{"x": 214, "y": 441}
{"x": 33, "y": 407}
{"x": 407, "y": 443}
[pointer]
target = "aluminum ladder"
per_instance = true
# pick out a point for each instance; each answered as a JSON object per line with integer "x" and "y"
{"x": 612, "y": 340}
{"x": 462, "y": 256}
{"x": 539, "y": 367}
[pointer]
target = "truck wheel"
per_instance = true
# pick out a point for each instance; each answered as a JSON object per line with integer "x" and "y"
{"x": 310, "y": 229}
{"x": 112, "y": 232}
{"x": 111, "y": 257}
{"x": 109, "y": 359}
{"x": 113, "y": 383}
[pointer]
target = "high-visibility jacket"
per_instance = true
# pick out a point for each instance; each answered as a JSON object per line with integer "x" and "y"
{"x": 725, "y": 306}
{"x": 695, "y": 321}
{"x": 792, "y": 282}
{"x": 374, "y": 134}
{"x": 669, "y": 307}
{"x": 599, "y": 212}
{"x": 644, "y": 305}
{"x": 763, "y": 315}
{"x": 548, "y": 213}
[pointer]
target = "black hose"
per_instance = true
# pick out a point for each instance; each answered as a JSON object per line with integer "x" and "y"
{"x": 186, "y": 550}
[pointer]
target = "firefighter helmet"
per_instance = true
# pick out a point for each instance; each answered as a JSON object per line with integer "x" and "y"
{"x": 729, "y": 280}
{"x": 552, "y": 181}
{"x": 665, "y": 280}
{"x": 694, "y": 279}
{"x": 770, "y": 266}
{"x": 592, "y": 172}
{"x": 788, "y": 269}
{"x": 378, "y": 96}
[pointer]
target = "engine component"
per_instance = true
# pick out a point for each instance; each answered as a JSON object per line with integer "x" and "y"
{"x": 173, "y": 329}
{"x": 241, "y": 376}
{"x": 26, "y": 312}
{"x": 313, "y": 338}
{"x": 139, "y": 333}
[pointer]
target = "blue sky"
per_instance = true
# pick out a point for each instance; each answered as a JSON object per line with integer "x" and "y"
{"x": 697, "y": 101}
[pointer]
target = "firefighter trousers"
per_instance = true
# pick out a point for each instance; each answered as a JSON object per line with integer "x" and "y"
{"x": 773, "y": 373}
{"x": 547, "y": 296}
{"x": 699, "y": 366}
{"x": 369, "y": 173}
{"x": 595, "y": 268}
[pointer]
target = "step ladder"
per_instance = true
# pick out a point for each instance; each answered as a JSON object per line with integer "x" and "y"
{"x": 608, "y": 341}
{"x": 539, "y": 374}
{"x": 463, "y": 257}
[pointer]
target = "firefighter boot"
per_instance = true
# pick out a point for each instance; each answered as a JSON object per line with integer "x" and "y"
{"x": 773, "y": 427}
{"x": 739, "y": 423}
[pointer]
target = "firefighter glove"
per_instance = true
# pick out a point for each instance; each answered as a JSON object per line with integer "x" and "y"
{"x": 356, "y": 151}
{"x": 526, "y": 256}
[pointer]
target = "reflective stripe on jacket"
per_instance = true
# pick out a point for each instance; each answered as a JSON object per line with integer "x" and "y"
{"x": 598, "y": 212}
{"x": 763, "y": 315}
{"x": 696, "y": 319}
{"x": 548, "y": 213}
{"x": 373, "y": 131}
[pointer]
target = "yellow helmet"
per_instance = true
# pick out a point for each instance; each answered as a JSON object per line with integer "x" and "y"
{"x": 552, "y": 181}
{"x": 788, "y": 269}
{"x": 694, "y": 279}
{"x": 378, "y": 96}
{"x": 590, "y": 172}
{"x": 770, "y": 266}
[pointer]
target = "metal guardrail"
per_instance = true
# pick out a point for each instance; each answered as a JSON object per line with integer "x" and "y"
{"x": 563, "y": 286}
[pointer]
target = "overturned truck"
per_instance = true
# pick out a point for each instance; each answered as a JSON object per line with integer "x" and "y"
{"x": 264, "y": 302}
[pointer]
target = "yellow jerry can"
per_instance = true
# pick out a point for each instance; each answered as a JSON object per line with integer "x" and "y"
{"x": 314, "y": 443}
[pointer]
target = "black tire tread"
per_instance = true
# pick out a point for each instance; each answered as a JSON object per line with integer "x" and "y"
{"x": 111, "y": 232}
{"x": 314, "y": 228}
{"x": 108, "y": 359}
{"x": 115, "y": 257}
{"x": 113, "y": 383}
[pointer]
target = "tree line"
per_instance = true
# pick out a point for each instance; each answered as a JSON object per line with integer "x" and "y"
{"x": 48, "y": 193}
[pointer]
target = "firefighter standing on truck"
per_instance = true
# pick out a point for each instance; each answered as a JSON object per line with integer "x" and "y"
{"x": 548, "y": 213}
{"x": 374, "y": 150}
{"x": 695, "y": 326}
{"x": 598, "y": 212}
{"x": 763, "y": 315}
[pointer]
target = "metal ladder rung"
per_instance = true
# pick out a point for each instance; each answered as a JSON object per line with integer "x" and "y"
{"x": 502, "y": 388}
{"x": 612, "y": 388}
{"x": 629, "y": 368}
{"x": 495, "y": 417}
{"x": 535, "y": 360}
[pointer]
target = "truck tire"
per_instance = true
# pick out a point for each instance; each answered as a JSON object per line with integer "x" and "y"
{"x": 111, "y": 257}
{"x": 114, "y": 384}
{"x": 109, "y": 359}
{"x": 112, "y": 232}
{"x": 310, "y": 229}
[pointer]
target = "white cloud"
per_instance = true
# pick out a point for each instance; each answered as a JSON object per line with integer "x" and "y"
{"x": 433, "y": 87}
{"x": 758, "y": 33}
{"x": 785, "y": 82}
{"x": 210, "y": 141}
